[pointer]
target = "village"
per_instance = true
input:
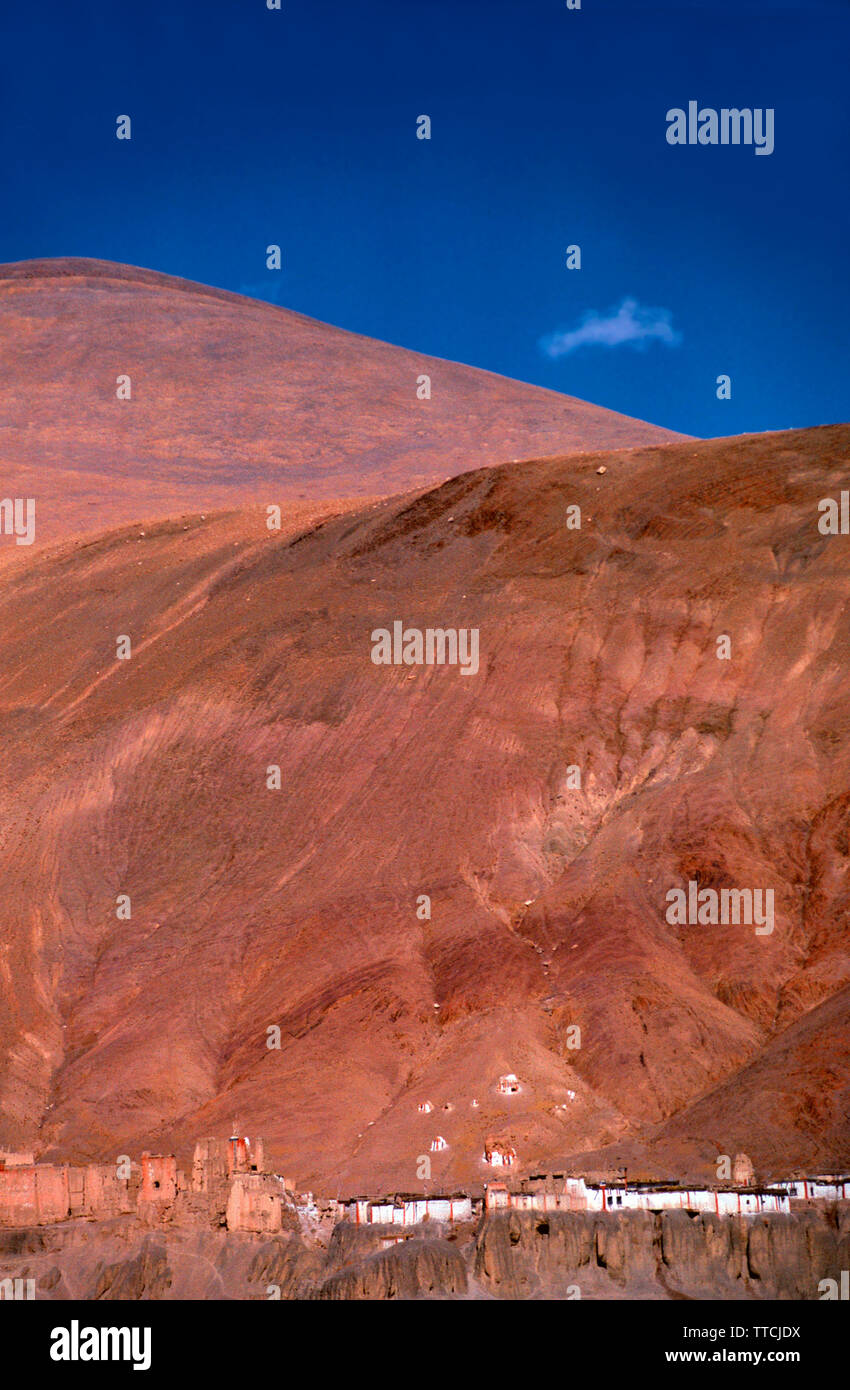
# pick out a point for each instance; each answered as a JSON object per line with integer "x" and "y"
{"x": 228, "y": 1187}
{"x": 551, "y": 1192}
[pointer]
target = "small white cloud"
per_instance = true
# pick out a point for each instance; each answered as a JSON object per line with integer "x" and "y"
{"x": 631, "y": 324}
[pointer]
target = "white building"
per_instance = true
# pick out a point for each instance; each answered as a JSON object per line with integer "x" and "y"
{"x": 824, "y": 1189}
{"x": 499, "y": 1154}
{"x": 410, "y": 1211}
{"x": 724, "y": 1202}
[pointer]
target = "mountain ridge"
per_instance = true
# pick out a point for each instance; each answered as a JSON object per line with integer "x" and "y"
{"x": 236, "y": 401}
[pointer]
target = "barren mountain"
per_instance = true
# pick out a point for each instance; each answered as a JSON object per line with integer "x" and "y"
{"x": 256, "y": 908}
{"x": 234, "y": 400}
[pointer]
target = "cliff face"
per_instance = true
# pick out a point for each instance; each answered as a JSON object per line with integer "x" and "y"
{"x": 667, "y": 1255}
{"x": 564, "y": 1255}
{"x": 417, "y": 1268}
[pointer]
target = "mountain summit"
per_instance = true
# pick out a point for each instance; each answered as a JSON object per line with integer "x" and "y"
{"x": 234, "y": 400}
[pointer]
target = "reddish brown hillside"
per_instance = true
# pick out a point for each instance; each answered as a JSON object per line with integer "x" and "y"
{"x": 236, "y": 400}
{"x": 296, "y": 908}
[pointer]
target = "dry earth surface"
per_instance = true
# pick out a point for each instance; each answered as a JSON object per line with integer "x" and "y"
{"x": 297, "y": 907}
{"x": 234, "y": 399}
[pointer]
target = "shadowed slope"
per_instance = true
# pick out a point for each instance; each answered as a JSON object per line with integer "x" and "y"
{"x": 255, "y": 908}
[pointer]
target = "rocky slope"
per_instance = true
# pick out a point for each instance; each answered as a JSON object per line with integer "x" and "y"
{"x": 256, "y": 909}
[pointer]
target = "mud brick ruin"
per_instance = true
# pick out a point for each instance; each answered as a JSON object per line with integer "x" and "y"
{"x": 226, "y": 1187}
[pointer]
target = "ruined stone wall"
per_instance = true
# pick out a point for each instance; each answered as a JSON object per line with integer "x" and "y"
{"x": 43, "y": 1193}
{"x": 210, "y": 1165}
{"x": 254, "y": 1204}
{"x": 108, "y": 1195}
{"x": 34, "y": 1195}
{"x": 159, "y": 1179}
{"x": 18, "y": 1201}
{"x": 39, "y": 1194}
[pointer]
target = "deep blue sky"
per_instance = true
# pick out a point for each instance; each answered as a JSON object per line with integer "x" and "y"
{"x": 298, "y": 127}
